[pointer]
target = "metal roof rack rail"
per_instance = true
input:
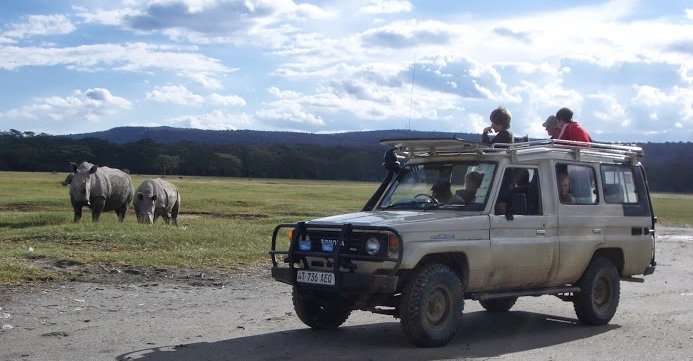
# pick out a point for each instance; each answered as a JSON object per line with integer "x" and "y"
{"x": 430, "y": 147}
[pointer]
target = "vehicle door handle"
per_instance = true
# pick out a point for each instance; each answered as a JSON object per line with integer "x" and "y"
{"x": 541, "y": 232}
{"x": 597, "y": 230}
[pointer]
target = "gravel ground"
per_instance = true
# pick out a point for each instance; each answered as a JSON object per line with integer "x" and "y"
{"x": 153, "y": 315}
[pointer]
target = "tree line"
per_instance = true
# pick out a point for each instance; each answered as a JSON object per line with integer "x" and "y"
{"x": 669, "y": 165}
{"x": 30, "y": 152}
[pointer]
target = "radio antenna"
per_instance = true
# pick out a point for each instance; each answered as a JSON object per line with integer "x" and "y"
{"x": 411, "y": 94}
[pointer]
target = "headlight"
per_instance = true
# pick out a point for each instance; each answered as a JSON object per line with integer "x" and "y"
{"x": 372, "y": 246}
{"x": 304, "y": 244}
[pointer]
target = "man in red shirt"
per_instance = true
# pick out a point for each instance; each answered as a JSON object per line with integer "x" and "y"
{"x": 570, "y": 130}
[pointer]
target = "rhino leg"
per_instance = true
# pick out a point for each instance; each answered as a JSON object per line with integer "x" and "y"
{"x": 166, "y": 217}
{"x": 78, "y": 213}
{"x": 96, "y": 208}
{"x": 121, "y": 211}
{"x": 174, "y": 214}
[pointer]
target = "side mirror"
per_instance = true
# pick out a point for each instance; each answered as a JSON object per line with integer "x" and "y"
{"x": 391, "y": 161}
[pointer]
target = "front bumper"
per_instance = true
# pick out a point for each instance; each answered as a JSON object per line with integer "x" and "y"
{"x": 346, "y": 280}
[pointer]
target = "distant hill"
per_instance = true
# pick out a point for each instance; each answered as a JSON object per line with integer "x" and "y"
{"x": 170, "y": 135}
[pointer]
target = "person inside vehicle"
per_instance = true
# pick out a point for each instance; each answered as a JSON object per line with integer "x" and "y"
{"x": 564, "y": 189}
{"x": 570, "y": 130}
{"x": 442, "y": 193}
{"x": 517, "y": 183}
{"x": 500, "y": 123}
{"x": 472, "y": 182}
{"x": 552, "y": 127}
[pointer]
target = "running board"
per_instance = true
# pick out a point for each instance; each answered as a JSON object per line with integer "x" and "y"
{"x": 530, "y": 292}
{"x": 632, "y": 279}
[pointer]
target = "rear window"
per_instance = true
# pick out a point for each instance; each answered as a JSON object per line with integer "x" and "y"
{"x": 619, "y": 184}
{"x": 576, "y": 184}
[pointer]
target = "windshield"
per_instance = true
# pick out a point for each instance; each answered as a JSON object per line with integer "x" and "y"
{"x": 463, "y": 184}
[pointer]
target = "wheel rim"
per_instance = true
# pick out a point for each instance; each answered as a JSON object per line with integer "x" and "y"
{"x": 437, "y": 306}
{"x": 602, "y": 292}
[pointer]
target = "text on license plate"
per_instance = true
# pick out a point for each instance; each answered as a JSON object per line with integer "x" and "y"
{"x": 321, "y": 278}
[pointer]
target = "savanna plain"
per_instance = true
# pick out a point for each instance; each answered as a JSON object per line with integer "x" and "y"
{"x": 202, "y": 291}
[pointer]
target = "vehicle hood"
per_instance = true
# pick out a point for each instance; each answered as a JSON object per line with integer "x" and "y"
{"x": 387, "y": 218}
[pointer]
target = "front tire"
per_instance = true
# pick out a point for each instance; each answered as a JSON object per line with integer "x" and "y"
{"x": 431, "y": 306}
{"x": 599, "y": 293}
{"x": 498, "y": 304}
{"x": 320, "y": 310}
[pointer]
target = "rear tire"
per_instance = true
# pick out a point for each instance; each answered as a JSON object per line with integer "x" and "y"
{"x": 431, "y": 306}
{"x": 599, "y": 293}
{"x": 498, "y": 304}
{"x": 320, "y": 310}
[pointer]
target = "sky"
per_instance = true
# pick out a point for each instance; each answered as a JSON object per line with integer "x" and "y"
{"x": 625, "y": 67}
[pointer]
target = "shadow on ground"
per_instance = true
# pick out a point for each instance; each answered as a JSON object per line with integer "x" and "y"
{"x": 481, "y": 334}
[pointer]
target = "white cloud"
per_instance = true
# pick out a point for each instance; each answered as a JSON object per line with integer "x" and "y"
{"x": 131, "y": 57}
{"x": 410, "y": 33}
{"x": 43, "y": 25}
{"x": 289, "y": 111}
{"x": 226, "y": 100}
{"x": 176, "y": 94}
{"x": 91, "y": 105}
{"x": 205, "y": 80}
{"x": 215, "y": 120}
{"x": 254, "y": 22}
{"x": 375, "y": 7}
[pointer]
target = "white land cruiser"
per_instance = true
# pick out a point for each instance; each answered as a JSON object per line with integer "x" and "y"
{"x": 466, "y": 221}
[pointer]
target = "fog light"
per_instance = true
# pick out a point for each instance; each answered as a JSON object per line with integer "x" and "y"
{"x": 372, "y": 246}
{"x": 327, "y": 246}
{"x": 304, "y": 244}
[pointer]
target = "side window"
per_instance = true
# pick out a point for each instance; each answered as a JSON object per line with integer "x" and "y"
{"x": 576, "y": 184}
{"x": 519, "y": 192}
{"x": 619, "y": 185}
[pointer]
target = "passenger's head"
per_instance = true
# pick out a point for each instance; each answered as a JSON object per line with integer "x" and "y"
{"x": 563, "y": 184}
{"x": 520, "y": 176}
{"x": 564, "y": 115}
{"x": 552, "y": 127}
{"x": 472, "y": 181}
{"x": 501, "y": 118}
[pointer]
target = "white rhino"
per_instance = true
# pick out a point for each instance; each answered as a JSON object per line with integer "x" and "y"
{"x": 102, "y": 189}
{"x": 154, "y": 198}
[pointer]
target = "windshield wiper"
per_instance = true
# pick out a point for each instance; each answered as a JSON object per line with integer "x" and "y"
{"x": 412, "y": 203}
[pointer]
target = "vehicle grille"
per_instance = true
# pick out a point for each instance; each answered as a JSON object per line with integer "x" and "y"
{"x": 353, "y": 245}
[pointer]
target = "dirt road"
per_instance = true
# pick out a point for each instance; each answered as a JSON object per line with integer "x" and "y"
{"x": 250, "y": 317}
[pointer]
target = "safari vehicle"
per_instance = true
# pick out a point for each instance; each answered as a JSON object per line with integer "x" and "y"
{"x": 456, "y": 220}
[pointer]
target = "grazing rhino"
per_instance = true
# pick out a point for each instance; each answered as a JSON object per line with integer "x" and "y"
{"x": 102, "y": 189}
{"x": 154, "y": 198}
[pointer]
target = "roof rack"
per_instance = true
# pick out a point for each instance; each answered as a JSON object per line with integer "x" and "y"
{"x": 431, "y": 147}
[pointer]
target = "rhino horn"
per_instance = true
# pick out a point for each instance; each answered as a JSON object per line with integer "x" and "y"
{"x": 74, "y": 166}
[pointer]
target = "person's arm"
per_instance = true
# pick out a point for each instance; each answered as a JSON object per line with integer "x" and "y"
{"x": 485, "y": 139}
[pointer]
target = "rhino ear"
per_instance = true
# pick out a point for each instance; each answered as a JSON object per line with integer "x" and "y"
{"x": 93, "y": 169}
{"x": 74, "y": 166}
{"x": 140, "y": 196}
{"x": 67, "y": 180}
{"x": 154, "y": 197}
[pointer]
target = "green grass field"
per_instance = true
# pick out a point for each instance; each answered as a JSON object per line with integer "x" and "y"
{"x": 224, "y": 222}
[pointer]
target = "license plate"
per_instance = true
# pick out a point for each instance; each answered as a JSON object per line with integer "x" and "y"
{"x": 320, "y": 278}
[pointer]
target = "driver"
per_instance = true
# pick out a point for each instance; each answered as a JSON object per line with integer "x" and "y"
{"x": 442, "y": 193}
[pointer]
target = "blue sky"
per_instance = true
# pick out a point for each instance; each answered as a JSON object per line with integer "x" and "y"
{"x": 625, "y": 67}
